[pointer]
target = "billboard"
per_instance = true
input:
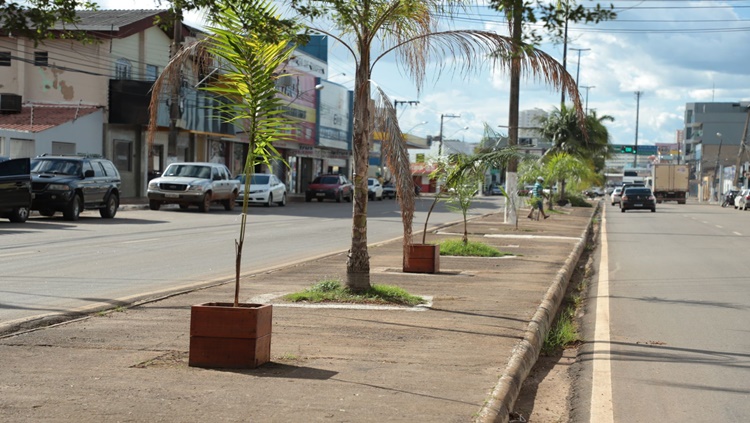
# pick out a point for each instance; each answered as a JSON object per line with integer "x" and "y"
{"x": 334, "y": 116}
{"x": 300, "y": 95}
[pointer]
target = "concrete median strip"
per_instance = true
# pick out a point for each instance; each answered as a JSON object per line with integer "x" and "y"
{"x": 498, "y": 407}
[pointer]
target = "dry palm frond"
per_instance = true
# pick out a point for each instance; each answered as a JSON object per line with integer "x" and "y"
{"x": 394, "y": 150}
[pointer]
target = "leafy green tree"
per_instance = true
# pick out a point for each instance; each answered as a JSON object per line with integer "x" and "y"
{"x": 249, "y": 43}
{"x": 590, "y": 143}
{"x": 372, "y": 29}
{"x": 37, "y": 20}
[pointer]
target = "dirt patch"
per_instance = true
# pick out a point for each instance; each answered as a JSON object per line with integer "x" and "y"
{"x": 546, "y": 393}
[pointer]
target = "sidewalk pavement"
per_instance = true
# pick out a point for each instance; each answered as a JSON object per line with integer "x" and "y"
{"x": 461, "y": 358}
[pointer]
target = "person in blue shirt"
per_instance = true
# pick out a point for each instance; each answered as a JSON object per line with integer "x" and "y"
{"x": 537, "y": 198}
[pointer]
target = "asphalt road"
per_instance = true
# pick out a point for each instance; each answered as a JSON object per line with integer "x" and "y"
{"x": 668, "y": 316}
{"x": 51, "y": 266}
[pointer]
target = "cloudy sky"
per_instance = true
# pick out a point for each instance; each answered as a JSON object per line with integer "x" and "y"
{"x": 673, "y": 52}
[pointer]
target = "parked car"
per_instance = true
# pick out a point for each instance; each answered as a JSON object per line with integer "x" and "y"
{"x": 637, "y": 198}
{"x": 71, "y": 184}
{"x": 495, "y": 189}
{"x": 265, "y": 188}
{"x": 374, "y": 189}
{"x": 742, "y": 199}
{"x": 334, "y": 187}
{"x": 193, "y": 183}
{"x": 616, "y": 194}
{"x": 15, "y": 189}
{"x": 389, "y": 190}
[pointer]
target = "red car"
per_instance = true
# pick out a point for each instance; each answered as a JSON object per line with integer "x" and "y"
{"x": 333, "y": 187}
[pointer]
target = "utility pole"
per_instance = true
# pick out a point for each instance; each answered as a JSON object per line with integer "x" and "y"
{"x": 565, "y": 51}
{"x": 717, "y": 173}
{"x": 741, "y": 151}
{"x": 174, "y": 97}
{"x": 637, "y": 112}
{"x": 440, "y": 146}
{"x": 396, "y": 103}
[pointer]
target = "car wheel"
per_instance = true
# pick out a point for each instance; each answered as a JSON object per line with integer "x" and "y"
{"x": 308, "y": 198}
{"x": 613, "y": 203}
{"x": 349, "y": 197}
{"x": 339, "y": 197}
{"x": 47, "y": 212}
{"x": 73, "y": 209}
{"x": 19, "y": 215}
{"x": 653, "y": 210}
{"x": 229, "y": 203}
{"x": 270, "y": 200}
{"x": 282, "y": 203}
{"x": 205, "y": 204}
{"x": 110, "y": 208}
{"x": 320, "y": 199}
{"x": 155, "y": 205}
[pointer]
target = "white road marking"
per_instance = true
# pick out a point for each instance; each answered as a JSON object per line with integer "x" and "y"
{"x": 601, "y": 391}
{"x": 737, "y": 233}
{"x": 22, "y": 253}
{"x": 719, "y": 226}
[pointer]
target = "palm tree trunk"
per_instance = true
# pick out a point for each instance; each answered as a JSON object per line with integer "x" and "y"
{"x": 511, "y": 178}
{"x": 358, "y": 262}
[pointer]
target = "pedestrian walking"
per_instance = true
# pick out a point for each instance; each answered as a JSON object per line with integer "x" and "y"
{"x": 537, "y": 198}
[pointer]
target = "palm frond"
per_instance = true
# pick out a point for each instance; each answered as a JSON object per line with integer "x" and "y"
{"x": 394, "y": 150}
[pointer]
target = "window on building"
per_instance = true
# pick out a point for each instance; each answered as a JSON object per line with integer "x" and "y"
{"x": 4, "y": 58}
{"x": 152, "y": 72}
{"x": 40, "y": 58}
{"x": 20, "y": 147}
{"x": 123, "y": 155}
{"x": 123, "y": 69}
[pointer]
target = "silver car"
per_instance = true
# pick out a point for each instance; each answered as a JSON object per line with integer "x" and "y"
{"x": 192, "y": 183}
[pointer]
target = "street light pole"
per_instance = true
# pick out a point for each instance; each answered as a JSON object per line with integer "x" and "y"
{"x": 578, "y": 65}
{"x": 587, "y": 87}
{"x": 742, "y": 150}
{"x": 717, "y": 174}
{"x": 637, "y": 112}
{"x": 440, "y": 146}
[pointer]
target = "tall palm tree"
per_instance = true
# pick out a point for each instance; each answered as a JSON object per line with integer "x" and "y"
{"x": 373, "y": 29}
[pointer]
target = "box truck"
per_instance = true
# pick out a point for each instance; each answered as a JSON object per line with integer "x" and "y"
{"x": 669, "y": 182}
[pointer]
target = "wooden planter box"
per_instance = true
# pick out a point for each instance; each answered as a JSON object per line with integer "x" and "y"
{"x": 223, "y": 336}
{"x": 423, "y": 258}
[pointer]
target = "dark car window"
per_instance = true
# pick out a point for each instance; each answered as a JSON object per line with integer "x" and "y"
{"x": 109, "y": 169}
{"x": 58, "y": 167}
{"x": 96, "y": 167}
{"x": 329, "y": 180}
{"x": 259, "y": 180}
{"x": 14, "y": 167}
{"x": 637, "y": 191}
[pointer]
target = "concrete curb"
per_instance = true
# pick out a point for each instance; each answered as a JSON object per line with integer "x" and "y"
{"x": 498, "y": 407}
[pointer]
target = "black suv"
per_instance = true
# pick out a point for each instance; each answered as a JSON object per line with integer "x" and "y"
{"x": 70, "y": 184}
{"x": 15, "y": 189}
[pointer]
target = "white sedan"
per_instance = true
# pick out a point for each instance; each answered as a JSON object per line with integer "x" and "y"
{"x": 265, "y": 188}
{"x": 616, "y": 195}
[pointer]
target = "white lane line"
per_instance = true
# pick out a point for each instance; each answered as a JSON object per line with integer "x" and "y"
{"x": 22, "y": 253}
{"x": 737, "y": 233}
{"x": 601, "y": 390}
{"x": 719, "y": 226}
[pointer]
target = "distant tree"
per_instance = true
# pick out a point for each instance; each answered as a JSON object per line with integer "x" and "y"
{"x": 37, "y": 19}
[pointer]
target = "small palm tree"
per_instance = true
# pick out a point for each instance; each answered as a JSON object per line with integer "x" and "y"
{"x": 248, "y": 43}
{"x": 410, "y": 30}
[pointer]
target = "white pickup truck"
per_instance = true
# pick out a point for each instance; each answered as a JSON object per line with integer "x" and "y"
{"x": 191, "y": 183}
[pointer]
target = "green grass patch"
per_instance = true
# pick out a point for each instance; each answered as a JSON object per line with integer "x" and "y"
{"x": 454, "y": 247}
{"x": 331, "y": 290}
{"x": 563, "y": 333}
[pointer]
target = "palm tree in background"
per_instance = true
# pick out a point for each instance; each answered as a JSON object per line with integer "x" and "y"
{"x": 409, "y": 29}
{"x": 589, "y": 143}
